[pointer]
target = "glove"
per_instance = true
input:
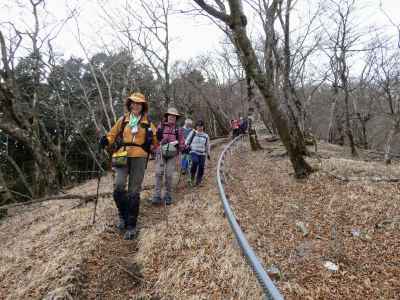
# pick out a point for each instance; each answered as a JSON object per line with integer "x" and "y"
{"x": 103, "y": 141}
{"x": 186, "y": 150}
{"x": 208, "y": 156}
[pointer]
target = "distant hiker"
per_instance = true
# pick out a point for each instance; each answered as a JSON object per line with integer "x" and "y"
{"x": 187, "y": 129}
{"x": 171, "y": 143}
{"x": 243, "y": 124}
{"x": 199, "y": 144}
{"x": 132, "y": 138}
{"x": 235, "y": 125}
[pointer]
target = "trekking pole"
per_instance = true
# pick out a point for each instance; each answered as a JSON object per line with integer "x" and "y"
{"x": 164, "y": 198}
{"x": 178, "y": 167}
{"x": 98, "y": 184}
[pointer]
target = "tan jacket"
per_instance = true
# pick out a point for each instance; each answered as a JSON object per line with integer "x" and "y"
{"x": 139, "y": 138}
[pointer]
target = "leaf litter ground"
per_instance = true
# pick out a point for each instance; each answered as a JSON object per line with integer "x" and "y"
{"x": 50, "y": 251}
{"x": 298, "y": 226}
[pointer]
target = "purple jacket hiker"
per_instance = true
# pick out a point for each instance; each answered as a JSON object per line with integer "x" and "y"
{"x": 166, "y": 161}
{"x": 169, "y": 134}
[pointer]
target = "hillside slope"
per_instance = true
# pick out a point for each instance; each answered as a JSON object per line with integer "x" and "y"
{"x": 52, "y": 251}
{"x": 341, "y": 215}
{"x": 347, "y": 213}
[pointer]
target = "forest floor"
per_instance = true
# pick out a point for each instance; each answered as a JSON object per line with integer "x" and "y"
{"x": 343, "y": 216}
{"x": 187, "y": 251}
{"x": 51, "y": 251}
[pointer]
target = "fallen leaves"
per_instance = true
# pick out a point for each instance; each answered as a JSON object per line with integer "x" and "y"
{"x": 302, "y": 225}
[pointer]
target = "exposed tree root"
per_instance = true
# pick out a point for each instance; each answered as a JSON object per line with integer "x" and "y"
{"x": 354, "y": 178}
{"x": 84, "y": 198}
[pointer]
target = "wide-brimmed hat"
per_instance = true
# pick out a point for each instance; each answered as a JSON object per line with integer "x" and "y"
{"x": 138, "y": 98}
{"x": 172, "y": 111}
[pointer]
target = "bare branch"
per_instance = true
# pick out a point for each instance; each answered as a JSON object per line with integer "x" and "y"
{"x": 214, "y": 12}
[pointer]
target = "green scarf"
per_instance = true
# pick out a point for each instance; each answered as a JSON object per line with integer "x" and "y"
{"x": 133, "y": 121}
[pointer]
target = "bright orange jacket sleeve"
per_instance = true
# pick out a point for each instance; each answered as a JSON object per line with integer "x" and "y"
{"x": 113, "y": 133}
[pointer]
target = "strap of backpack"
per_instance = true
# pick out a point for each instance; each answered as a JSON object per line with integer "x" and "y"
{"x": 120, "y": 135}
{"x": 118, "y": 143}
{"x": 122, "y": 128}
{"x": 192, "y": 137}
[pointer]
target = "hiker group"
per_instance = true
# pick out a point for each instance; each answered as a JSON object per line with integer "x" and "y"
{"x": 134, "y": 138}
{"x": 239, "y": 126}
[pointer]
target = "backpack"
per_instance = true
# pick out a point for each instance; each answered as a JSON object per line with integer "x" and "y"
{"x": 169, "y": 150}
{"x": 176, "y": 131}
{"x": 192, "y": 138}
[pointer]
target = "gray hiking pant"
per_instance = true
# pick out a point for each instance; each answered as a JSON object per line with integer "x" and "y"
{"x": 135, "y": 169}
{"x": 167, "y": 168}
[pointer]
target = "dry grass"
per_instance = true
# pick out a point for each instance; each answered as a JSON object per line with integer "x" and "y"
{"x": 50, "y": 251}
{"x": 361, "y": 169}
{"x": 196, "y": 256}
{"x": 42, "y": 249}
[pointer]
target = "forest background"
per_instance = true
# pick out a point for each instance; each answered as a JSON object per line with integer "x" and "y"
{"x": 330, "y": 67}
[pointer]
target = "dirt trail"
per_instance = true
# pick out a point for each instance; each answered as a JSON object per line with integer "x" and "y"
{"x": 192, "y": 255}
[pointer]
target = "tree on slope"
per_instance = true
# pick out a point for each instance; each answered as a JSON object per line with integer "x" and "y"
{"x": 288, "y": 129}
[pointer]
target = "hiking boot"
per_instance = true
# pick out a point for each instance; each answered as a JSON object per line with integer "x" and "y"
{"x": 131, "y": 234}
{"x": 191, "y": 182}
{"x": 156, "y": 200}
{"x": 120, "y": 198}
{"x": 133, "y": 210}
{"x": 168, "y": 199}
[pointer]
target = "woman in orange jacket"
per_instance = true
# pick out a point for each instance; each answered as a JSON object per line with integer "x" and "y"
{"x": 132, "y": 137}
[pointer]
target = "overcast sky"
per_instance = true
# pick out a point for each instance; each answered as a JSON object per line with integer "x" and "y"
{"x": 191, "y": 35}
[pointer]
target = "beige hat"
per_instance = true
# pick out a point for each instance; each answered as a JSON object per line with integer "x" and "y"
{"x": 138, "y": 98}
{"x": 172, "y": 111}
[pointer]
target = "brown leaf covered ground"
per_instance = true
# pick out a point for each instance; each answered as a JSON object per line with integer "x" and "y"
{"x": 269, "y": 202}
{"x": 50, "y": 251}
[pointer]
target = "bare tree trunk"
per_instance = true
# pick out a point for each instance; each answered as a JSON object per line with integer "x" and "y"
{"x": 35, "y": 101}
{"x": 19, "y": 129}
{"x": 124, "y": 92}
{"x": 220, "y": 117}
{"x": 89, "y": 106}
{"x": 5, "y": 194}
{"x": 265, "y": 118}
{"x": 20, "y": 174}
{"x": 349, "y": 132}
{"x": 253, "y": 139}
{"x": 290, "y": 137}
{"x": 169, "y": 101}
{"x": 93, "y": 72}
{"x": 363, "y": 118}
{"x": 394, "y": 130}
{"x": 110, "y": 98}
{"x": 332, "y": 118}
